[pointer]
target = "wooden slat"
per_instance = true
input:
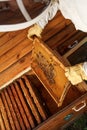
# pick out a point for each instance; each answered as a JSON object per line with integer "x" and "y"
{"x": 35, "y": 98}
{"x": 5, "y": 37}
{"x": 54, "y": 23}
{"x": 24, "y": 121}
{"x": 54, "y": 26}
{"x": 15, "y": 69}
{"x": 2, "y": 126}
{"x": 4, "y": 115}
{"x": 26, "y": 108}
{"x": 16, "y": 110}
{"x": 8, "y": 112}
{"x": 14, "y": 54}
{"x": 13, "y": 114}
{"x": 13, "y": 42}
{"x": 30, "y": 102}
{"x": 64, "y": 32}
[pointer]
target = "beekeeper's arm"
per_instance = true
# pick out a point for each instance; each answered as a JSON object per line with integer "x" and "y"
{"x": 39, "y": 26}
{"x": 76, "y": 74}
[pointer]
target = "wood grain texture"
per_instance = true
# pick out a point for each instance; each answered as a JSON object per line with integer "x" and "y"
{"x": 15, "y": 54}
{"x": 24, "y": 104}
{"x": 19, "y": 119}
{"x": 15, "y": 69}
{"x": 30, "y": 102}
{"x": 35, "y": 98}
{"x": 8, "y": 112}
{"x": 23, "y": 119}
{"x": 13, "y": 114}
{"x": 2, "y": 125}
{"x": 4, "y": 115}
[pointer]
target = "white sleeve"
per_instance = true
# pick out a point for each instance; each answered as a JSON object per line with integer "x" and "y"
{"x": 85, "y": 67}
{"x": 50, "y": 14}
{"x": 76, "y": 11}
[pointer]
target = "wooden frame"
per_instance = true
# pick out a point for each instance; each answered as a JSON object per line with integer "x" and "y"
{"x": 50, "y": 71}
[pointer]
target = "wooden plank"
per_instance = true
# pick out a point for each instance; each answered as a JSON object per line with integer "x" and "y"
{"x": 23, "y": 118}
{"x": 50, "y": 71}
{"x": 2, "y": 126}
{"x": 62, "y": 34}
{"x": 36, "y": 99}
{"x": 24, "y": 104}
{"x": 54, "y": 23}
{"x": 4, "y": 114}
{"x": 13, "y": 114}
{"x": 8, "y": 36}
{"x": 54, "y": 26}
{"x": 30, "y": 101}
{"x": 19, "y": 120}
{"x": 13, "y": 42}
{"x": 8, "y": 111}
{"x": 8, "y": 75}
{"x": 14, "y": 54}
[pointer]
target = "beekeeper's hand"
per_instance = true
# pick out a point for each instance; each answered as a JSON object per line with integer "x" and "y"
{"x": 75, "y": 74}
{"x": 35, "y": 30}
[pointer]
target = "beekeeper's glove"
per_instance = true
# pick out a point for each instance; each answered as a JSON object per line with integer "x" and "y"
{"x": 76, "y": 74}
{"x": 34, "y": 30}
